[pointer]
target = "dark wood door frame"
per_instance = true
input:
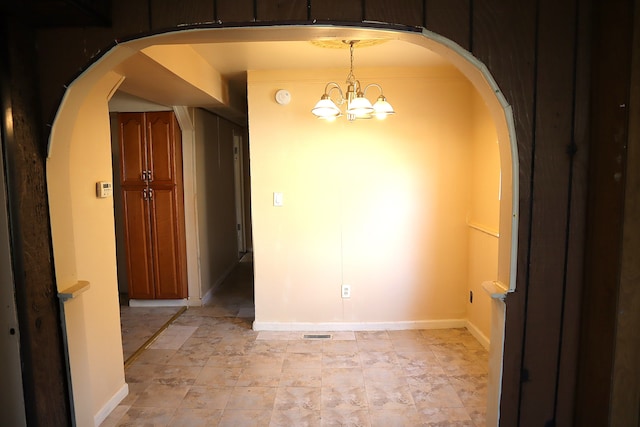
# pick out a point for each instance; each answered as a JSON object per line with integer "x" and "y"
{"x": 12, "y": 393}
{"x": 44, "y": 376}
{"x": 608, "y": 384}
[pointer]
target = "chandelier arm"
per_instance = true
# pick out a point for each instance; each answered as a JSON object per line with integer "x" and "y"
{"x": 330, "y": 87}
{"x": 374, "y": 85}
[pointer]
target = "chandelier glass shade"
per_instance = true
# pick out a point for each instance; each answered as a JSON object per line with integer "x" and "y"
{"x": 357, "y": 105}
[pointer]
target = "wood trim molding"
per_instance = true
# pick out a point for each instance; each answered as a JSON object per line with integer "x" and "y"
{"x": 625, "y": 394}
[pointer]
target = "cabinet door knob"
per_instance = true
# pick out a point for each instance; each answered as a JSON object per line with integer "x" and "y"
{"x": 144, "y": 175}
{"x": 144, "y": 194}
{"x": 150, "y": 194}
{"x": 149, "y": 176}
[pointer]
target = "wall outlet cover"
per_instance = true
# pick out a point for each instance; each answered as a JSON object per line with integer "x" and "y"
{"x": 346, "y": 291}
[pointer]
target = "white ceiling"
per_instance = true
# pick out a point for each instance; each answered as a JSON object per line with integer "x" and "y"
{"x": 233, "y": 59}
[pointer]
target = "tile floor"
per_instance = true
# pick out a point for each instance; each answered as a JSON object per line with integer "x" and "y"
{"x": 138, "y": 324}
{"x": 209, "y": 368}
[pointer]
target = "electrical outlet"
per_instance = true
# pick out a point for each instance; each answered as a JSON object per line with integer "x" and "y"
{"x": 471, "y": 297}
{"x": 346, "y": 291}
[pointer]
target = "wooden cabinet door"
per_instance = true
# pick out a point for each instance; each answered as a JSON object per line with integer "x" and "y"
{"x": 166, "y": 242}
{"x": 133, "y": 148}
{"x": 138, "y": 242}
{"x": 151, "y": 178}
{"x": 161, "y": 147}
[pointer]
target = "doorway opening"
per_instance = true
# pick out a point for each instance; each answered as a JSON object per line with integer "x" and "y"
{"x": 216, "y": 168}
{"x": 74, "y": 165}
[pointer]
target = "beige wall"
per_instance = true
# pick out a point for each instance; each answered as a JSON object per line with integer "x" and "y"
{"x": 83, "y": 236}
{"x": 85, "y": 223}
{"x": 378, "y": 205}
{"x": 483, "y": 217}
{"x": 215, "y": 198}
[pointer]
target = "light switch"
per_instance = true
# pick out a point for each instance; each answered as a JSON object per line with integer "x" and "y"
{"x": 277, "y": 199}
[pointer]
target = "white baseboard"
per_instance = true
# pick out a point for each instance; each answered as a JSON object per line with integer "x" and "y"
{"x": 482, "y": 338}
{"x": 195, "y": 302}
{"x": 358, "y": 326}
{"x": 111, "y": 405}
{"x": 187, "y": 302}
{"x": 206, "y": 298}
{"x": 158, "y": 302}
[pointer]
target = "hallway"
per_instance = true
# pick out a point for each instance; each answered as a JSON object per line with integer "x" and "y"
{"x": 210, "y": 368}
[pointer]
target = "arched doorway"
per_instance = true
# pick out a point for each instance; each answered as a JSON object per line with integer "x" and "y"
{"x": 74, "y": 166}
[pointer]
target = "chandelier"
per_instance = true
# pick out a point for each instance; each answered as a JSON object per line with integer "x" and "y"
{"x": 357, "y": 105}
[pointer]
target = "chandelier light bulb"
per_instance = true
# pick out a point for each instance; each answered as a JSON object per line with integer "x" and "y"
{"x": 360, "y": 107}
{"x": 382, "y": 108}
{"x": 326, "y": 108}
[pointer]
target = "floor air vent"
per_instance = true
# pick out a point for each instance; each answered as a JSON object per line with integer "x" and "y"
{"x": 317, "y": 336}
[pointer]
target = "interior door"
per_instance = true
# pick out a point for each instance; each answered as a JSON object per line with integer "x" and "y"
{"x": 151, "y": 188}
{"x": 161, "y": 152}
{"x": 169, "y": 283}
{"x": 138, "y": 242}
{"x": 133, "y": 153}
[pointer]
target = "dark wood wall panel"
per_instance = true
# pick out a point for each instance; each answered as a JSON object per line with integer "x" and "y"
{"x": 75, "y": 13}
{"x": 170, "y": 13}
{"x": 450, "y": 18}
{"x": 406, "y": 12}
{"x": 281, "y": 10}
{"x": 610, "y": 100}
{"x": 337, "y": 10}
{"x": 61, "y": 65}
{"x": 511, "y": 60}
{"x": 41, "y": 345}
{"x": 567, "y": 371}
{"x": 551, "y": 186}
{"x": 625, "y": 392}
{"x": 235, "y": 11}
{"x": 131, "y": 17}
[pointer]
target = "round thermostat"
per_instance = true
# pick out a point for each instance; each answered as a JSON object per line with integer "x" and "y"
{"x": 283, "y": 97}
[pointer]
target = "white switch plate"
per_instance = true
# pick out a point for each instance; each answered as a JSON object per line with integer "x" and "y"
{"x": 277, "y": 199}
{"x": 346, "y": 291}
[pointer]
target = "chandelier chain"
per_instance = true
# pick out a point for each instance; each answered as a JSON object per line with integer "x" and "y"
{"x": 351, "y": 79}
